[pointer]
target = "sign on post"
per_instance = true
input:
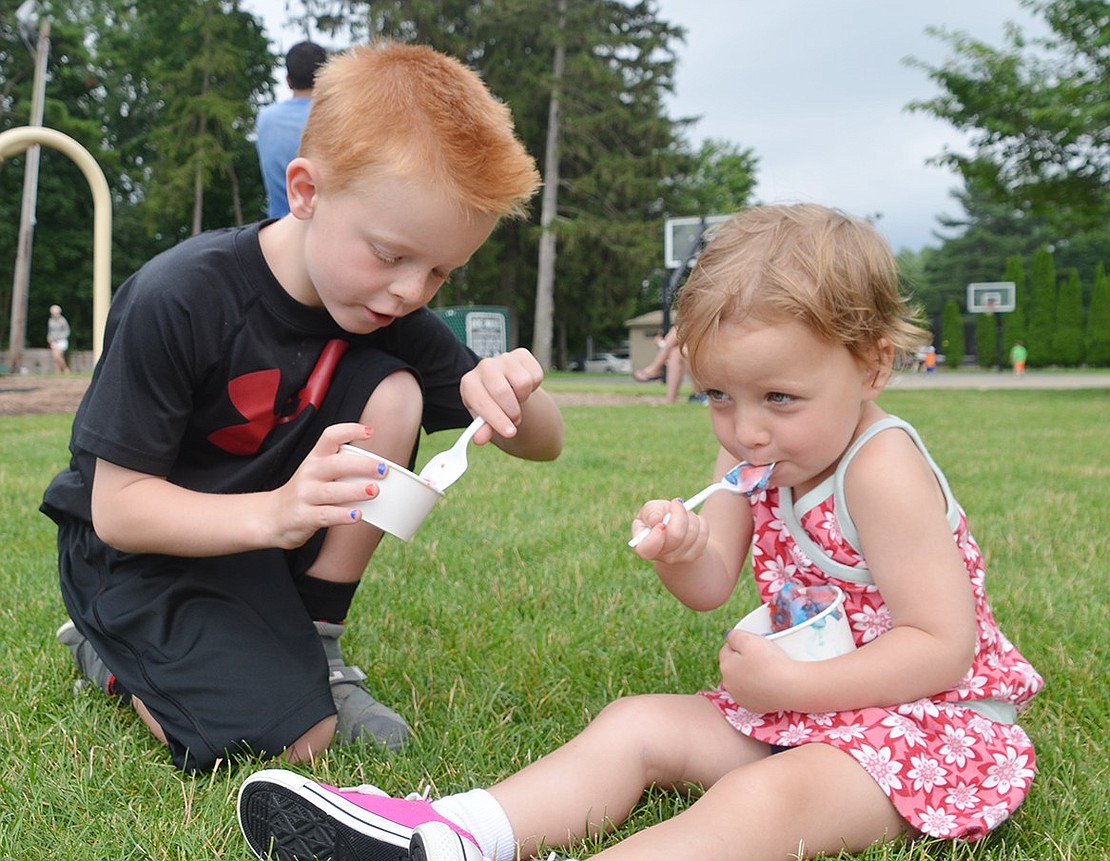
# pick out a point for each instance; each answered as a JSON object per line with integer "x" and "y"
{"x": 483, "y": 328}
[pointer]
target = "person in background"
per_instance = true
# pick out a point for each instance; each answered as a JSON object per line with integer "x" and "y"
{"x": 1018, "y": 356}
{"x": 668, "y": 358}
{"x": 57, "y": 337}
{"x": 280, "y": 124}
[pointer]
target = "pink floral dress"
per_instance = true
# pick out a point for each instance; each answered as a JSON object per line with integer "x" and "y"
{"x": 954, "y": 764}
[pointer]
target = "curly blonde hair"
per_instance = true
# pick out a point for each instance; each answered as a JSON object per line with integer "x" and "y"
{"x": 804, "y": 262}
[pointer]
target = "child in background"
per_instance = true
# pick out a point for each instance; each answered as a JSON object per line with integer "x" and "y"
{"x": 791, "y": 321}
{"x": 209, "y": 550}
{"x": 57, "y": 338}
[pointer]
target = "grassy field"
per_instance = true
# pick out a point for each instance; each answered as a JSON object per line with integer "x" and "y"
{"x": 518, "y": 612}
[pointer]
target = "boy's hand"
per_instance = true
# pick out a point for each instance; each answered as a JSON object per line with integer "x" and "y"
{"x": 496, "y": 389}
{"x": 319, "y": 494}
{"x": 141, "y": 513}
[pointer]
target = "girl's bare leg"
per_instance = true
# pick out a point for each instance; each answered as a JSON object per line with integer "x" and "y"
{"x": 594, "y": 780}
{"x": 799, "y": 803}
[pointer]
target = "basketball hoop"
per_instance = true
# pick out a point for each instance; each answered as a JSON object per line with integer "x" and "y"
{"x": 991, "y": 297}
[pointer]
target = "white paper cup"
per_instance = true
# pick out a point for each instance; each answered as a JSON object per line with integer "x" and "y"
{"x": 403, "y": 501}
{"x": 823, "y": 636}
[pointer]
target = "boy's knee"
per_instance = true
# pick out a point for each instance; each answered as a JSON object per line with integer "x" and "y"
{"x": 394, "y": 411}
{"x": 398, "y": 396}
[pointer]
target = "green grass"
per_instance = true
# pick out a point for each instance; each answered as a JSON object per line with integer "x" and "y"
{"x": 518, "y": 612}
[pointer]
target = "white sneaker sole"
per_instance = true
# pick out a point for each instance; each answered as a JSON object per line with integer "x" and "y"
{"x": 435, "y": 841}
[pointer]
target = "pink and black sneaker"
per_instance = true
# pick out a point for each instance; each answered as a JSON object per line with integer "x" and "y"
{"x": 287, "y": 817}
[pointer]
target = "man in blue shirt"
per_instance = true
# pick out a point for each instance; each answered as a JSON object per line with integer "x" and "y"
{"x": 280, "y": 124}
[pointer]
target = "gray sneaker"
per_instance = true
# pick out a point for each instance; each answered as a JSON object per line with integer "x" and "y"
{"x": 361, "y": 717}
{"x": 88, "y": 661}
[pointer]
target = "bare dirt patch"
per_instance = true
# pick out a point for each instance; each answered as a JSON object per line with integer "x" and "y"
{"x": 29, "y": 395}
{"x": 61, "y": 393}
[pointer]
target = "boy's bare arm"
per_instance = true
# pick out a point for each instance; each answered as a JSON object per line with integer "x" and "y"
{"x": 540, "y": 433}
{"x": 523, "y": 419}
{"x": 140, "y": 513}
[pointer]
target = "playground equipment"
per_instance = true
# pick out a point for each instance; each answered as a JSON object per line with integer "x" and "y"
{"x": 17, "y": 140}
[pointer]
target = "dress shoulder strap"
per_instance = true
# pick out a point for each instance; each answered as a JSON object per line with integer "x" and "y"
{"x": 847, "y": 526}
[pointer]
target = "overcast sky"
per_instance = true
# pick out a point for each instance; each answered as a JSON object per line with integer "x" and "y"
{"x": 817, "y": 90}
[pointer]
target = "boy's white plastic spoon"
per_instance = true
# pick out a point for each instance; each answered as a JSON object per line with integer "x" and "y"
{"x": 743, "y": 478}
{"x": 447, "y": 467}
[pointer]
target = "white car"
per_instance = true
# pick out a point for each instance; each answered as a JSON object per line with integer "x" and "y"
{"x": 608, "y": 363}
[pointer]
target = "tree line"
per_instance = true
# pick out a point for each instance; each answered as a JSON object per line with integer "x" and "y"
{"x": 1061, "y": 320}
{"x": 1036, "y": 188}
{"x": 165, "y": 97}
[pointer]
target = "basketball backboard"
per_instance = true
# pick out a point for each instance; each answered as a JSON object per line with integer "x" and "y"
{"x": 679, "y": 234}
{"x": 991, "y": 297}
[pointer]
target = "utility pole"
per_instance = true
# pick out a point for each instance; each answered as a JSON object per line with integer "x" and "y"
{"x": 22, "y": 278}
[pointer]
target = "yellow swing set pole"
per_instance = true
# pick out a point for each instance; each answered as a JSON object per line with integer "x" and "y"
{"x": 15, "y": 141}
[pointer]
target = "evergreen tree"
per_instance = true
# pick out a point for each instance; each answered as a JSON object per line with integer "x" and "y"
{"x": 623, "y": 163}
{"x": 1013, "y": 323}
{"x": 976, "y": 247}
{"x": 61, "y": 254}
{"x": 116, "y": 82}
{"x": 952, "y": 334}
{"x": 986, "y": 339}
{"x": 1041, "y": 319}
{"x": 1098, "y": 321}
{"x": 1067, "y": 337}
{"x": 214, "y": 67}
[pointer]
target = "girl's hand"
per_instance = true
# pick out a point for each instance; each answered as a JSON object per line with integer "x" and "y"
{"x": 318, "y": 495}
{"x": 757, "y": 673}
{"x": 677, "y": 536}
{"x": 496, "y": 389}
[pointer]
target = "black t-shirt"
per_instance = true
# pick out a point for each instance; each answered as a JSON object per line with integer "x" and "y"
{"x": 212, "y": 374}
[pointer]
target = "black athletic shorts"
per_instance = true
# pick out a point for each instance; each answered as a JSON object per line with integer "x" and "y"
{"x": 220, "y": 650}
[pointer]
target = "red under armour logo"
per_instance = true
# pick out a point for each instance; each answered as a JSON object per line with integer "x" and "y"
{"x": 253, "y": 395}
